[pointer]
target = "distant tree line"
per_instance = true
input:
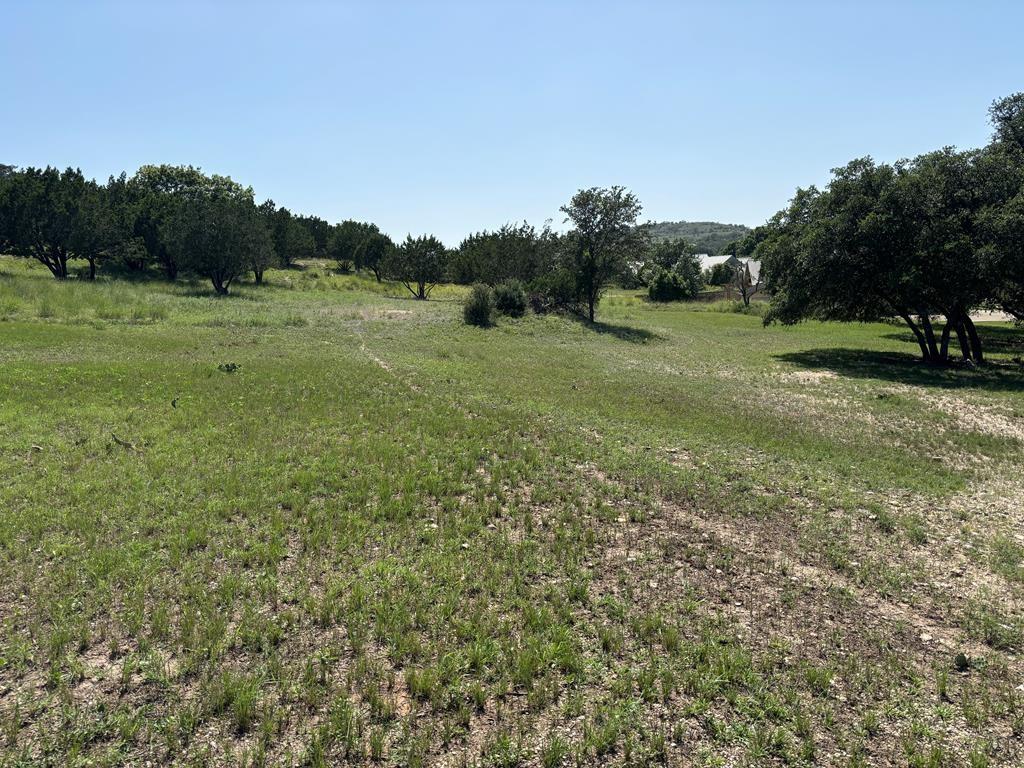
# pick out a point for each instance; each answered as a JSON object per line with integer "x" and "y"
{"x": 939, "y": 236}
{"x": 168, "y": 219}
{"x": 171, "y": 220}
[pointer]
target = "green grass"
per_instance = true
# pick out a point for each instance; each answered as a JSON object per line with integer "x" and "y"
{"x": 319, "y": 523}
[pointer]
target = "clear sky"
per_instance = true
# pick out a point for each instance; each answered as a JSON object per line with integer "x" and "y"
{"x": 449, "y": 117}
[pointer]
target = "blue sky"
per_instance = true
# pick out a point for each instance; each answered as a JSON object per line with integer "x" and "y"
{"x": 451, "y": 117}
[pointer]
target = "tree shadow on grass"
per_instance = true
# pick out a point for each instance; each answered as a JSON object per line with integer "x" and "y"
{"x": 1005, "y": 339}
{"x": 908, "y": 369}
{"x": 623, "y": 332}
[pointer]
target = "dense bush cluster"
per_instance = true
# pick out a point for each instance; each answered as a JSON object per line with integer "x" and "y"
{"x": 483, "y": 302}
{"x": 669, "y": 285}
{"x": 941, "y": 235}
{"x": 167, "y": 219}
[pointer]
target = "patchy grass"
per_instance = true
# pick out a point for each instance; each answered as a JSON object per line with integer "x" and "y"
{"x": 317, "y": 523}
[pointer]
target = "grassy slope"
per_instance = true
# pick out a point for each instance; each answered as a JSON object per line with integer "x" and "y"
{"x": 675, "y": 536}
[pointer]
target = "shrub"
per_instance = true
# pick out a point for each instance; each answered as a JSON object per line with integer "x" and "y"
{"x": 510, "y": 298}
{"x": 479, "y": 307}
{"x": 554, "y": 292}
{"x": 669, "y": 285}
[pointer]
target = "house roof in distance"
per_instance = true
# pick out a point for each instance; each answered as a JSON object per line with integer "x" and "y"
{"x": 707, "y": 262}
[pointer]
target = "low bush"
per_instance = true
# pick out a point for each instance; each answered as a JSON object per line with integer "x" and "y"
{"x": 510, "y": 298}
{"x": 479, "y": 307}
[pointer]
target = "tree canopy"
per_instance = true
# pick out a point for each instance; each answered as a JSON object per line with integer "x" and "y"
{"x": 419, "y": 264}
{"x": 935, "y": 236}
{"x": 604, "y": 235}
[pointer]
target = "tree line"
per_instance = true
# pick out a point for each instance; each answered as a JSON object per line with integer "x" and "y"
{"x": 172, "y": 220}
{"x": 928, "y": 239}
{"x": 168, "y": 219}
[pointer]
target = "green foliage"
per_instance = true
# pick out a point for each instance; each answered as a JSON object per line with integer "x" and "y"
{"x": 721, "y": 274}
{"x": 1007, "y": 118}
{"x": 555, "y": 291}
{"x": 347, "y": 241}
{"x": 53, "y": 217}
{"x": 666, "y": 254}
{"x": 510, "y": 298}
{"x": 603, "y": 238}
{"x": 419, "y": 264}
{"x": 670, "y": 285}
{"x": 373, "y": 252}
{"x": 158, "y": 193}
{"x": 514, "y": 252}
{"x": 934, "y": 236}
{"x": 1002, "y": 257}
{"x": 479, "y": 306}
{"x": 220, "y": 237}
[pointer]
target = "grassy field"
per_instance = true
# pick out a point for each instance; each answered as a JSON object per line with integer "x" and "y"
{"x": 318, "y": 523}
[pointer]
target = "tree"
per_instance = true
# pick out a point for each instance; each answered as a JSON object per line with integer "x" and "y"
{"x": 419, "y": 264}
{"x": 160, "y": 191}
{"x": 319, "y": 230}
{"x": 127, "y": 248}
{"x": 298, "y": 243}
{"x": 846, "y": 254}
{"x": 722, "y": 273}
{"x": 97, "y": 228}
{"x": 214, "y": 236}
{"x": 941, "y": 195}
{"x": 261, "y": 246}
{"x": 43, "y": 214}
{"x": 291, "y": 238}
{"x": 1007, "y": 118}
{"x": 54, "y": 216}
{"x": 885, "y": 241}
{"x": 347, "y": 239}
{"x": 747, "y": 282}
{"x": 373, "y": 253}
{"x": 514, "y": 252}
{"x": 1001, "y": 222}
{"x": 667, "y": 253}
{"x": 603, "y": 237}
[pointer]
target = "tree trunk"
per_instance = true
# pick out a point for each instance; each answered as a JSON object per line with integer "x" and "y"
{"x": 376, "y": 272}
{"x": 92, "y": 267}
{"x": 944, "y": 342}
{"x": 917, "y": 334}
{"x": 590, "y": 307}
{"x": 258, "y": 274}
{"x": 972, "y": 334}
{"x": 929, "y": 335}
{"x": 961, "y": 337}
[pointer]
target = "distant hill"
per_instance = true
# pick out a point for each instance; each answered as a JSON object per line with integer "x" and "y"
{"x": 705, "y": 236}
